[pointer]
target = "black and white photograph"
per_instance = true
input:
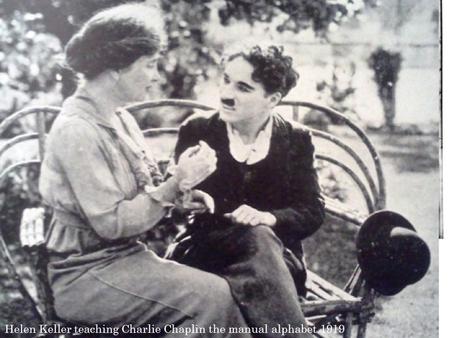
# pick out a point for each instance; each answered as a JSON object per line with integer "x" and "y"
{"x": 220, "y": 168}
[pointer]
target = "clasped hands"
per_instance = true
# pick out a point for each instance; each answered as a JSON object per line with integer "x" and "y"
{"x": 194, "y": 166}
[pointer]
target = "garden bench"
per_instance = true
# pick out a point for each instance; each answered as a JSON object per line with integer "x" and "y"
{"x": 344, "y": 310}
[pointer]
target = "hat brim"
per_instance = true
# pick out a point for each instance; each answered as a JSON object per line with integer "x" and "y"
{"x": 380, "y": 221}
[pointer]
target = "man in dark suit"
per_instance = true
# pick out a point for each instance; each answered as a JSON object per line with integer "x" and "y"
{"x": 265, "y": 189}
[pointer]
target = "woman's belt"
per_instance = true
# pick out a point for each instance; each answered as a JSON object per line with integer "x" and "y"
{"x": 69, "y": 219}
{"x": 92, "y": 241}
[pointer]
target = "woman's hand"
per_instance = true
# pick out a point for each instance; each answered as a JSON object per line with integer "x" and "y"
{"x": 246, "y": 215}
{"x": 195, "y": 165}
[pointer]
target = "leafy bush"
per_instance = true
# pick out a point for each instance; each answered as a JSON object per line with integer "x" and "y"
{"x": 27, "y": 65}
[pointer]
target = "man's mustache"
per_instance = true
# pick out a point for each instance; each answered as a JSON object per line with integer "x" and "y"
{"x": 228, "y": 102}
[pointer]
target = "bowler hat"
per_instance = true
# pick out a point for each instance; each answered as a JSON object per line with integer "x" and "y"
{"x": 390, "y": 252}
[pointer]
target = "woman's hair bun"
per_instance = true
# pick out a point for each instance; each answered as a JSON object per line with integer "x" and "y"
{"x": 114, "y": 39}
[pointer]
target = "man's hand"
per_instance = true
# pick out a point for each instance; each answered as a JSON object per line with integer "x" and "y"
{"x": 247, "y": 215}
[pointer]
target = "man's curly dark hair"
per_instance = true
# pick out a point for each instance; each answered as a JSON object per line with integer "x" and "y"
{"x": 271, "y": 68}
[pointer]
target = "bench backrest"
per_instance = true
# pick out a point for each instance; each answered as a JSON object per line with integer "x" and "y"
{"x": 364, "y": 170}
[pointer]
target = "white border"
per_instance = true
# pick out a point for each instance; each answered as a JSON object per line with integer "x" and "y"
{"x": 444, "y": 244}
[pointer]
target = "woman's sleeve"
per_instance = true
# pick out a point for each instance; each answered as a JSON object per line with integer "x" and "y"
{"x": 97, "y": 195}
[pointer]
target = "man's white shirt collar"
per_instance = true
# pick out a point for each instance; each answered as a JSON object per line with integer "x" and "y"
{"x": 250, "y": 153}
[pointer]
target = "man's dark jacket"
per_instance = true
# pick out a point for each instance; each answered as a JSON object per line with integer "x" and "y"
{"x": 285, "y": 183}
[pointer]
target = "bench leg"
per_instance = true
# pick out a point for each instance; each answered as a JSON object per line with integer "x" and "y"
{"x": 348, "y": 326}
{"x": 362, "y": 330}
